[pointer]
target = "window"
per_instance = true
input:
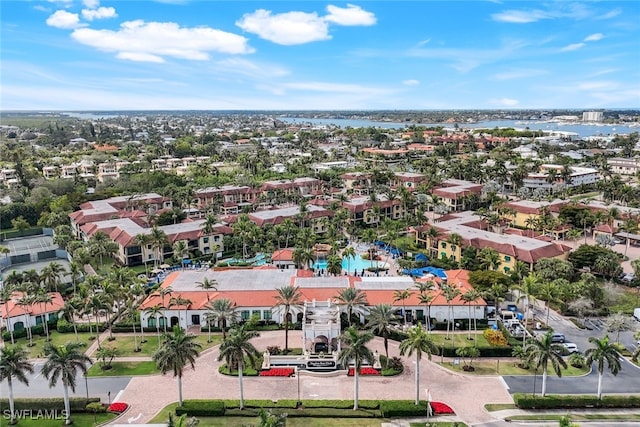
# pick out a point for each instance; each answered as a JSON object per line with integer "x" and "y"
{"x": 245, "y": 314}
{"x": 506, "y": 270}
{"x": 507, "y": 258}
{"x": 443, "y": 245}
{"x": 195, "y": 319}
{"x": 150, "y": 256}
{"x": 266, "y": 314}
{"x": 148, "y": 246}
{"x": 205, "y": 240}
{"x": 151, "y": 322}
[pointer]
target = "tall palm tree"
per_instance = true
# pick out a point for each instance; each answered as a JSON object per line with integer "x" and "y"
{"x": 158, "y": 240}
{"x": 163, "y": 293}
{"x": 601, "y": 352}
{"x": 176, "y": 352}
{"x": 418, "y": 342}
{"x": 43, "y": 298}
{"x": 208, "y": 285}
{"x": 490, "y": 259}
{"x": 70, "y": 310}
{"x": 351, "y": 299}
{"x": 221, "y": 311}
{"x": 470, "y": 296}
{"x": 349, "y": 253}
{"x": 155, "y": 312}
{"x": 143, "y": 240}
{"x": 543, "y": 352}
{"x": 235, "y": 349}
{"x": 527, "y": 289}
{"x": 381, "y": 318}
{"x": 334, "y": 265}
{"x": 25, "y": 301}
{"x": 355, "y": 351}
{"x": 6, "y": 293}
{"x": 14, "y": 363}
{"x": 184, "y": 302}
{"x": 402, "y": 295}
{"x": 288, "y": 298}
{"x": 181, "y": 251}
{"x": 549, "y": 293}
{"x": 450, "y": 292}
{"x": 63, "y": 363}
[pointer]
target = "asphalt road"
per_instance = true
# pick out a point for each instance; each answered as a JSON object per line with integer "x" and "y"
{"x": 627, "y": 380}
{"x": 106, "y": 388}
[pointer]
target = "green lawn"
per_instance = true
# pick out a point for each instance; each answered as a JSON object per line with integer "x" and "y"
{"x": 491, "y": 407}
{"x": 459, "y": 340}
{"x": 56, "y": 339}
{"x": 576, "y": 417}
{"x": 126, "y": 346}
{"x": 124, "y": 369}
{"x": 79, "y": 420}
{"x": 507, "y": 367}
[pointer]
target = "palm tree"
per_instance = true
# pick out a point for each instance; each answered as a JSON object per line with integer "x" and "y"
{"x": 63, "y": 363}
{"x": 402, "y": 295}
{"x": 207, "y": 285}
{"x": 176, "y": 352}
{"x": 450, "y": 292}
{"x": 334, "y": 265}
{"x": 544, "y": 351}
{"x": 381, "y": 318}
{"x": 417, "y": 341}
{"x": 288, "y": 298}
{"x": 14, "y": 363}
{"x": 235, "y": 348}
{"x": 179, "y": 301}
{"x": 220, "y": 311}
{"x": 44, "y": 298}
{"x": 601, "y": 352}
{"x": 25, "y": 301}
{"x": 527, "y": 288}
{"x": 155, "y": 312}
{"x": 158, "y": 240}
{"x": 349, "y": 253}
{"x": 471, "y": 295}
{"x": 6, "y": 293}
{"x": 549, "y": 293}
{"x": 490, "y": 259}
{"x": 181, "y": 251}
{"x": 70, "y": 310}
{"x": 163, "y": 293}
{"x": 351, "y": 299}
{"x": 143, "y": 240}
{"x": 574, "y": 234}
{"x": 355, "y": 351}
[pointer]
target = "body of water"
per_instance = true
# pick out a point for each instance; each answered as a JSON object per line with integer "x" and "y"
{"x": 583, "y": 130}
{"x": 352, "y": 265}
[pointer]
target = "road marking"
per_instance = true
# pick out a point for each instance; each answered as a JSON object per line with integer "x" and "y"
{"x": 134, "y": 419}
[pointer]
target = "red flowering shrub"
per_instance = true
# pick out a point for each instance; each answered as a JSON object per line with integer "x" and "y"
{"x": 364, "y": 371}
{"x": 440, "y": 408}
{"x": 277, "y": 372}
{"x": 118, "y": 407}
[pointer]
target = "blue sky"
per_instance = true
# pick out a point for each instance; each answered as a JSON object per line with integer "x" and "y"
{"x": 299, "y": 55}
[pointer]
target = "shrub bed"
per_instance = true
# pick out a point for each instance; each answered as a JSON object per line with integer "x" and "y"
{"x": 277, "y": 372}
{"x": 201, "y": 408}
{"x": 402, "y": 408}
{"x": 118, "y": 407}
{"x": 364, "y": 371}
{"x": 526, "y": 401}
{"x": 77, "y": 404}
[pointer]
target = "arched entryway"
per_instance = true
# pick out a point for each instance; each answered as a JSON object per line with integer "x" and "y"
{"x": 175, "y": 321}
{"x": 18, "y": 326}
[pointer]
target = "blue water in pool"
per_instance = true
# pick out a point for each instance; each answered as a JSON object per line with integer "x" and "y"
{"x": 356, "y": 264}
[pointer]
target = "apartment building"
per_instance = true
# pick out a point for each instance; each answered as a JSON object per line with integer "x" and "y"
{"x": 364, "y": 209}
{"x": 455, "y": 193}
{"x": 623, "y": 166}
{"x": 578, "y": 176}
{"x": 470, "y": 227}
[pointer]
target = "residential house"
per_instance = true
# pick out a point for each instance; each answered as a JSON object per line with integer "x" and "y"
{"x": 16, "y": 316}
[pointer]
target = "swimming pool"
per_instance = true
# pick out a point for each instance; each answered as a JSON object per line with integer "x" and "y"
{"x": 356, "y": 264}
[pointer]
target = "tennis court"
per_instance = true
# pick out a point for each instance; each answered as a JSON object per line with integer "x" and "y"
{"x": 29, "y": 245}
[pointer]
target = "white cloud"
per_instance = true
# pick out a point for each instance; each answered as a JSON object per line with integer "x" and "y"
{"x": 64, "y": 19}
{"x": 99, "y": 13}
{"x": 411, "y": 82}
{"x": 343, "y": 88}
{"x": 351, "y": 15}
{"x": 571, "y": 47}
{"x": 611, "y": 14}
{"x": 288, "y": 29}
{"x": 91, "y": 4}
{"x": 594, "y": 37}
{"x": 504, "y": 102}
{"x": 152, "y": 41}
{"x": 519, "y": 16}
{"x": 292, "y": 28}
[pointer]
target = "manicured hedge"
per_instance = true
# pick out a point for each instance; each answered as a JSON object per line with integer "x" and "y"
{"x": 201, "y": 408}
{"x": 527, "y": 401}
{"x": 65, "y": 327}
{"x": 402, "y": 408}
{"x": 35, "y": 330}
{"x": 77, "y": 404}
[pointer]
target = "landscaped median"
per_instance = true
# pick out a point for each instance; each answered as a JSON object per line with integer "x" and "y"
{"x": 527, "y": 401}
{"x": 313, "y": 408}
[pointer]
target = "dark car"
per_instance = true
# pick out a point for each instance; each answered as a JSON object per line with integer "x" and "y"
{"x": 558, "y": 338}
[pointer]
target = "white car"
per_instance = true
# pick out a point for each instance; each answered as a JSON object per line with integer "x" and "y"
{"x": 571, "y": 347}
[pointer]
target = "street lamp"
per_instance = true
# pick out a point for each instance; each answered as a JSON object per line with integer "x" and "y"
{"x": 86, "y": 385}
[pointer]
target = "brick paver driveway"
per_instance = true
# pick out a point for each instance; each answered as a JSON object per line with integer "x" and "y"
{"x": 465, "y": 394}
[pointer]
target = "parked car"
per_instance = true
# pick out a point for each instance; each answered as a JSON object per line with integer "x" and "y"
{"x": 558, "y": 338}
{"x": 628, "y": 277}
{"x": 571, "y": 347}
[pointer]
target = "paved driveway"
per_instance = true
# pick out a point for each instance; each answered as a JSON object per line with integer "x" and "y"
{"x": 467, "y": 395}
